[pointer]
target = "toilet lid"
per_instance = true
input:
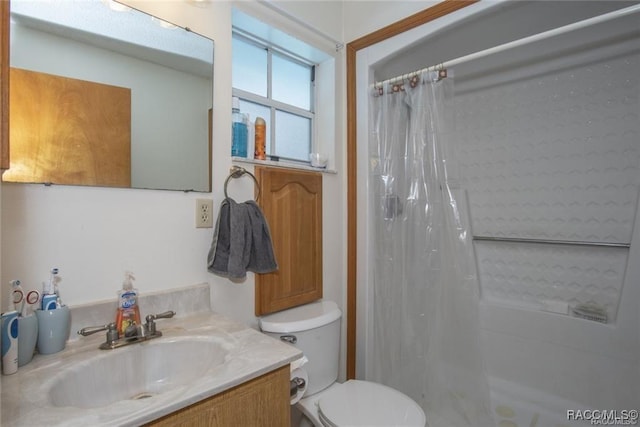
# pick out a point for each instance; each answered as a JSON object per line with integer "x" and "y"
{"x": 363, "y": 403}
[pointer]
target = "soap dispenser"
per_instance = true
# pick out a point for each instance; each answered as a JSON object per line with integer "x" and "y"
{"x": 128, "y": 314}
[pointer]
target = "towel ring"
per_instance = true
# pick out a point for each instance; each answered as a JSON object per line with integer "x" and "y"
{"x": 237, "y": 172}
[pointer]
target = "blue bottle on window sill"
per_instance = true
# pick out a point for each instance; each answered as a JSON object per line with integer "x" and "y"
{"x": 238, "y": 131}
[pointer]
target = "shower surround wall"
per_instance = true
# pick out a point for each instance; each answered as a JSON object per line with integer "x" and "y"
{"x": 556, "y": 155}
{"x": 549, "y": 149}
{"x": 553, "y": 157}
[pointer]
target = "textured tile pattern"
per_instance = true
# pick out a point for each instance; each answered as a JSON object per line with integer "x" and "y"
{"x": 553, "y": 157}
{"x": 528, "y": 275}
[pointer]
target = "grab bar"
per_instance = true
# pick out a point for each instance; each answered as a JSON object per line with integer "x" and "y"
{"x": 551, "y": 242}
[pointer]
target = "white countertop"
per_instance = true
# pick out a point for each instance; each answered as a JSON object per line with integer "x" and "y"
{"x": 25, "y": 396}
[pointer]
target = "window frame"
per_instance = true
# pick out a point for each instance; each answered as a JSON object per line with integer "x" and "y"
{"x": 275, "y": 105}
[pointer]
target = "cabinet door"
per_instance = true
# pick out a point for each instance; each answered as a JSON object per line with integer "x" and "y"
{"x": 292, "y": 204}
{"x": 263, "y": 402}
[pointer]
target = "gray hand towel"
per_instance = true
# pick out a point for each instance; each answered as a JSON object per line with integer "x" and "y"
{"x": 241, "y": 241}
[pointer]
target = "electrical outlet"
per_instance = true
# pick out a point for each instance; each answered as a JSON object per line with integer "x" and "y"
{"x": 204, "y": 213}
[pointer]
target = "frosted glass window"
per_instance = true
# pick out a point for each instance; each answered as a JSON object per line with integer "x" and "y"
{"x": 293, "y": 136}
{"x": 291, "y": 82}
{"x": 249, "y": 64}
{"x": 257, "y": 110}
{"x": 277, "y": 87}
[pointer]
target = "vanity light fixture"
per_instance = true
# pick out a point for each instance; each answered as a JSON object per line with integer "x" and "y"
{"x": 199, "y": 3}
{"x": 163, "y": 23}
{"x": 115, "y": 6}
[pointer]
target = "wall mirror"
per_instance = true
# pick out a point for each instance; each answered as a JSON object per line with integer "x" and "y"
{"x": 105, "y": 95}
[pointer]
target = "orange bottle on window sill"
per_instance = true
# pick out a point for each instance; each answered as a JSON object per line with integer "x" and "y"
{"x": 261, "y": 139}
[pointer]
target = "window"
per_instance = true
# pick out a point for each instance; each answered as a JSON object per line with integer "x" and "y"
{"x": 279, "y": 87}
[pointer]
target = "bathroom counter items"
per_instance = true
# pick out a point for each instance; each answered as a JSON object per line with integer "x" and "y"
{"x": 39, "y": 393}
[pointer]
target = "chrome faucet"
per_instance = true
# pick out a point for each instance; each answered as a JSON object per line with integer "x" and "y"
{"x": 143, "y": 332}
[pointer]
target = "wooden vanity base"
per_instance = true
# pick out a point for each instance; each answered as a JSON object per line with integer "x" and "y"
{"x": 262, "y": 402}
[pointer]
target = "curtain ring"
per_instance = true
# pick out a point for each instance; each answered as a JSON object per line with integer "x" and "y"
{"x": 415, "y": 79}
{"x": 442, "y": 72}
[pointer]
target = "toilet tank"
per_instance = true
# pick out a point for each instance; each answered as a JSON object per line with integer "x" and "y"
{"x": 315, "y": 330}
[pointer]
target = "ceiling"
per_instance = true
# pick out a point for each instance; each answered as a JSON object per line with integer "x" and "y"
{"x": 502, "y": 23}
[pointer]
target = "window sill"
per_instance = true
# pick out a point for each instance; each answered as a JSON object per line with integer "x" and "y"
{"x": 282, "y": 164}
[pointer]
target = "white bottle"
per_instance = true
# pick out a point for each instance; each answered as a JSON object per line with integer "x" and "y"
{"x": 251, "y": 132}
{"x": 49, "y": 291}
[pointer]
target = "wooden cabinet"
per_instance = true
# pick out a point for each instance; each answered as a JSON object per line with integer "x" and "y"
{"x": 4, "y": 84}
{"x": 42, "y": 133}
{"x": 262, "y": 402}
{"x": 291, "y": 201}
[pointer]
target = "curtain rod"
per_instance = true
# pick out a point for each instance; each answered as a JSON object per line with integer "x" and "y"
{"x": 517, "y": 43}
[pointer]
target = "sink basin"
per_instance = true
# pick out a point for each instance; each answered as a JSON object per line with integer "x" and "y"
{"x": 135, "y": 372}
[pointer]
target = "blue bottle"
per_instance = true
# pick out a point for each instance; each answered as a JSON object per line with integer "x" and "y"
{"x": 238, "y": 131}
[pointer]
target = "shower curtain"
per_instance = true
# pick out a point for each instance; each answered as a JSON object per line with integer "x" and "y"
{"x": 425, "y": 291}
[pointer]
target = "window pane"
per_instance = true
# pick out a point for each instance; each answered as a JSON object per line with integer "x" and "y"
{"x": 249, "y": 67}
{"x": 256, "y": 110}
{"x": 291, "y": 82}
{"x": 293, "y": 136}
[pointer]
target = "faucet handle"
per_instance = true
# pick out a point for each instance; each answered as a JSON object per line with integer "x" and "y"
{"x": 166, "y": 315}
{"x": 151, "y": 324}
{"x": 112, "y": 331}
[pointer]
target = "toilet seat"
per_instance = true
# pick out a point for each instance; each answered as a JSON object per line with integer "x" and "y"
{"x": 364, "y": 403}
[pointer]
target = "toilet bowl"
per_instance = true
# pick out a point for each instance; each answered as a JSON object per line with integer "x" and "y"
{"x": 315, "y": 329}
{"x": 361, "y": 403}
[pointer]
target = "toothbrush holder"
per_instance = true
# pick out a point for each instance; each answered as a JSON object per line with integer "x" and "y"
{"x": 53, "y": 329}
{"x": 27, "y": 338}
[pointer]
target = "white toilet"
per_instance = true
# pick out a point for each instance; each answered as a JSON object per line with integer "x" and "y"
{"x": 315, "y": 329}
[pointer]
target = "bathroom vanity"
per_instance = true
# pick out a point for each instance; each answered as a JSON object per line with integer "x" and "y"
{"x": 205, "y": 370}
{"x": 263, "y": 401}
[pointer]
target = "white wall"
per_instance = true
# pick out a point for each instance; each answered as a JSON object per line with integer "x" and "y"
{"x": 94, "y": 234}
{"x": 364, "y": 17}
{"x": 350, "y": 19}
{"x": 324, "y": 16}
